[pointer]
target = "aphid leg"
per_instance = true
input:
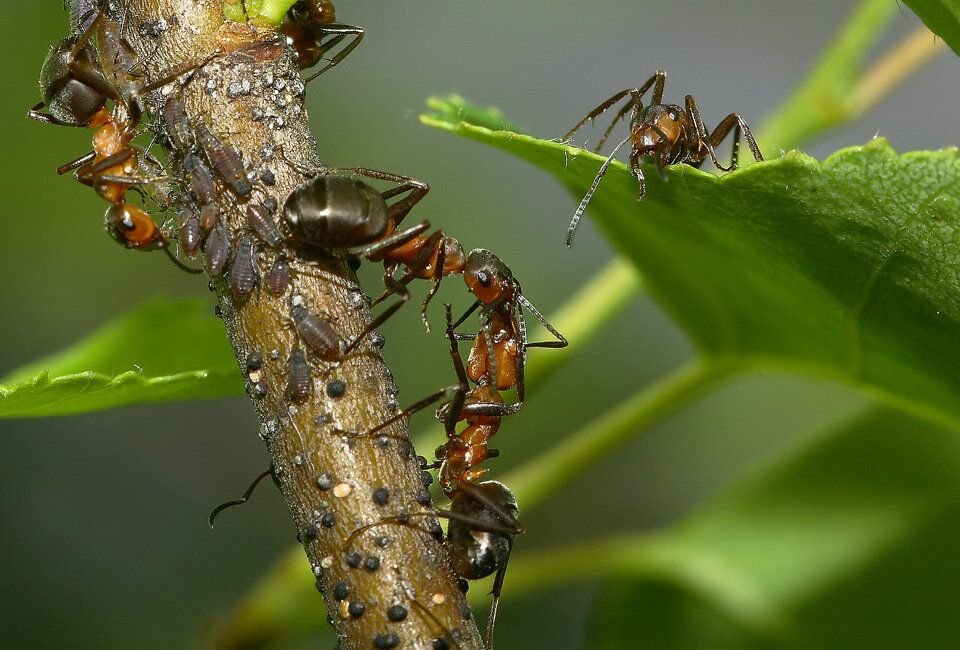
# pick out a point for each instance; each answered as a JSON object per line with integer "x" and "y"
{"x": 417, "y": 189}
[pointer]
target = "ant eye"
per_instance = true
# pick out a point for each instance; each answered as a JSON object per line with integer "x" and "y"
{"x": 484, "y": 278}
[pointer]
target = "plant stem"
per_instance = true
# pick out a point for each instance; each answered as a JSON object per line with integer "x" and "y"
{"x": 309, "y": 452}
{"x": 538, "y": 479}
{"x": 821, "y": 100}
{"x": 913, "y": 52}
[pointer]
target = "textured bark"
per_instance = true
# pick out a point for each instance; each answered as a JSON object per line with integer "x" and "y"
{"x": 251, "y": 96}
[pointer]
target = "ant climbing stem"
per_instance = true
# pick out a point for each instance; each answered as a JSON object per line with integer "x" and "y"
{"x": 667, "y": 133}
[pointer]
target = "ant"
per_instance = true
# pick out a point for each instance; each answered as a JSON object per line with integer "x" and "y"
{"x": 668, "y": 133}
{"x": 334, "y": 210}
{"x": 79, "y": 75}
{"x": 483, "y": 515}
{"x": 312, "y": 30}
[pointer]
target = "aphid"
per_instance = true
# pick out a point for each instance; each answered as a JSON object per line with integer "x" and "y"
{"x": 312, "y": 30}
{"x": 316, "y": 332}
{"x": 279, "y": 277}
{"x": 209, "y": 216}
{"x": 225, "y": 161}
{"x": 263, "y": 224}
{"x": 190, "y": 234}
{"x": 667, "y": 133}
{"x": 201, "y": 179}
{"x": 299, "y": 378}
{"x": 243, "y": 272}
{"x": 217, "y": 250}
{"x": 177, "y": 124}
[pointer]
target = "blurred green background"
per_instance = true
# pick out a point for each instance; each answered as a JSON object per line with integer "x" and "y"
{"x": 103, "y": 516}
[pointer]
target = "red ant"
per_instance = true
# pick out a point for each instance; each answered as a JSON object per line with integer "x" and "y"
{"x": 312, "y": 31}
{"x": 482, "y": 514}
{"x": 78, "y": 77}
{"x": 668, "y": 133}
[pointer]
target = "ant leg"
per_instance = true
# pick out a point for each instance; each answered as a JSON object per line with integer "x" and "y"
{"x": 76, "y": 164}
{"x": 447, "y": 634}
{"x": 632, "y": 104}
{"x": 403, "y": 519}
{"x": 441, "y": 260}
{"x": 578, "y": 214}
{"x": 170, "y": 77}
{"x": 35, "y": 114}
{"x": 339, "y": 31}
{"x": 561, "y": 341}
{"x": 710, "y": 141}
{"x": 455, "y": 406}
{"x": 495, "y": 593}
{"x": 413, "y": 408}
{"x": 657, "y": 80}
{"x": 393, "y": 240}
{"x": 472, "y": 308}
{"x": 599, "y": 110}
{"x": 84, "y": 70}
{"x": 243, "y": 498}
{"x": 400, "y": 209}
{"x": 397, "y": 289}
{"x": 87, "y": 174}
{"x": 636, "y": 99}
{"x": 637, "y": 171}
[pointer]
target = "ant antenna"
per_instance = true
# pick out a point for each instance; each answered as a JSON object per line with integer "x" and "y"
{"x": 593, "y": 188}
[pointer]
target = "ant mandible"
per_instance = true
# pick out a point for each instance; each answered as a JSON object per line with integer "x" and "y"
{"x": 668, "y": 133}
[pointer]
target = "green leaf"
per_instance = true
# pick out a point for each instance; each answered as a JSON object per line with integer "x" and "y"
{"x": 942, "y": 17}
{"x": 163, "y": 351}
{"x": 269, "y": 12}
{"x": 843, "y": 270}
{"x": 849, "y": 544}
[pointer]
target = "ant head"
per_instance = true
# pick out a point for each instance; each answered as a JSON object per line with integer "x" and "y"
{"x": 487, "y": 277}
{"x": 70, "y": 102}
{"x": 659, "y": 126}
{"x": 335, "y": 211}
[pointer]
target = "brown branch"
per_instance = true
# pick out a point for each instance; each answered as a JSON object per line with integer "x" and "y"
{"x": 251, "y": 96}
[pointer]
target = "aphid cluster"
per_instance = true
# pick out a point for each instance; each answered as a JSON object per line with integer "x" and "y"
{"x": 80, "y": 75}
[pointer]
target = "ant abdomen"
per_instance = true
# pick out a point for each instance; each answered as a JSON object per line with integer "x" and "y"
{"x": 333, "y": 211}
